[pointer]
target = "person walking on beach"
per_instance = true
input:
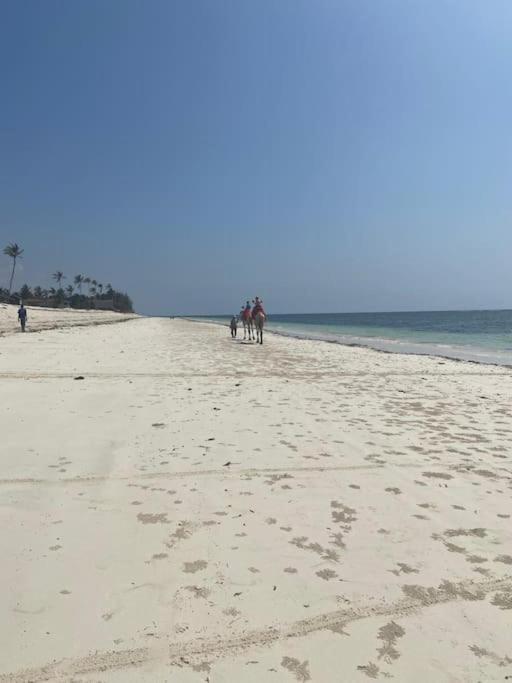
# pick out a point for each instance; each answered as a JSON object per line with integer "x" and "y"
{"x": 22, "y": 316}
{"x": 233, "y": 325}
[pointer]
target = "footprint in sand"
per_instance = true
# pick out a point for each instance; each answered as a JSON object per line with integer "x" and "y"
{"x": 299, "y": 669}
{"x": 437, "y": 475}
{"x": 198, "y": 592}
{"x": 148, "y": 518}
{"x": 193, "y": 567}
{"x": 506, "y": 559}
{"x": 327, "y": 574}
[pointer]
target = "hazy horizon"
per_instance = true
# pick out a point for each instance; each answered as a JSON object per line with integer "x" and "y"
{"x": 351, "y": 156}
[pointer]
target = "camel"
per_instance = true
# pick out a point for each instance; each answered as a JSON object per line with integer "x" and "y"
{"x": 259, "y": 322}
{"x": 248, "y": 324}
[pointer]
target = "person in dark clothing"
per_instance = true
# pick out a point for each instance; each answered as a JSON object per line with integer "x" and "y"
{"x": 22, "y": 317}
{"x": 233, "y": 326}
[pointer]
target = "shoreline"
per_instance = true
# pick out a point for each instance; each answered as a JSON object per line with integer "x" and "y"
{"x": 358, "y": 345}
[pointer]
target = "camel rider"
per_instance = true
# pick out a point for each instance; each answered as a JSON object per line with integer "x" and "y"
{"x": 258, "y": 308}
{"x": 247, "y": 311}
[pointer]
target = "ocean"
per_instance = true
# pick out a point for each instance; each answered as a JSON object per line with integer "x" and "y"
{"x": 479, "y": 336}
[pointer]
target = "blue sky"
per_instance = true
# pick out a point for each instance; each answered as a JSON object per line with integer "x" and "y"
{"x": 326, "y": 155}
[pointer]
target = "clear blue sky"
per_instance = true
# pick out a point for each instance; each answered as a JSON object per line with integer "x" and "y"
{"x": 326, "y": 155}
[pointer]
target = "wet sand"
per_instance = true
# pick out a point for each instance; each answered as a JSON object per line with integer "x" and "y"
{"x": 200, "y": 509}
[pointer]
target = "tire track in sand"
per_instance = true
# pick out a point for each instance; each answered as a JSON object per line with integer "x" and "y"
{"x": 329, "y": 374}
{"x": 190, "y": 652}
{"x": 84, "y": 479}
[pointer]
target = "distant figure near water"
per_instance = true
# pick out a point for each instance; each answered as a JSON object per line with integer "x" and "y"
{"x": 22, "y": 316}
{"x": 233, "y": 326}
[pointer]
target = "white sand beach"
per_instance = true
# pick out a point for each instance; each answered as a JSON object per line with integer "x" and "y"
{"x": 40, "y": 318}
{"x": 200, "y": 509}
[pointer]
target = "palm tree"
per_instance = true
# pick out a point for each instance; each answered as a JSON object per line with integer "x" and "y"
{"x": 25, "y": 292}
{"x": 14, "y": 251}
{"x": 100, "y": 287}
{"x": 78, "y": 282}
{"x": 58, "y": 276}
{"x": 38, "y": 292}
{"x": 69, "y": 290}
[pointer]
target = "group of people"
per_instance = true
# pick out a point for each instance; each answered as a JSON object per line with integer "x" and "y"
{"x": 247, "y": 316}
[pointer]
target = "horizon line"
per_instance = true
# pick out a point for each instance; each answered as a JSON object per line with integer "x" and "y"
{"x": 424, "y": 310}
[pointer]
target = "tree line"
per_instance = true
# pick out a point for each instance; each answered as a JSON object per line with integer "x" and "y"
{"x": 81, "y": 292}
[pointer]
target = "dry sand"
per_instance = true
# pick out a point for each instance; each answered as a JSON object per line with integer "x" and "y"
{"x": 50, "y": 318}
{"x": 197, "y": 509}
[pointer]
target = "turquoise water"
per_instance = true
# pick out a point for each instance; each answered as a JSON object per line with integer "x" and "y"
{"x": 481, "y": 336}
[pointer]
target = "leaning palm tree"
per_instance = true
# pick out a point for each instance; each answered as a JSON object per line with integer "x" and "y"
{"x": 14, "y": 251}
{"x": 58, "y": 276}
{"x": 78, "y": 282}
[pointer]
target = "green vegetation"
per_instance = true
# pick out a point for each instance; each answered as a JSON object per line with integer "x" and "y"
{"x": 98, "y": 295}
{"x": 14, "y": 251}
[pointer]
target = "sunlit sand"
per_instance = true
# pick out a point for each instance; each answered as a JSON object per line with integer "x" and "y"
{"x": 198, "y": 509}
